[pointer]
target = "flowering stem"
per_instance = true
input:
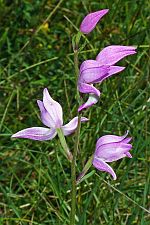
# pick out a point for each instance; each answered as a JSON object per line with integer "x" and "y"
{"x": 73, "y": 164}
{"x": 64, "y": 144}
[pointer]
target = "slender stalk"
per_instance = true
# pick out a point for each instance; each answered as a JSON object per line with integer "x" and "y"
{"x": 73, "y": 164}
{"x": 62, "y": 139}
{"x": 73, "y": 175}
{"x": 76, "y": 72}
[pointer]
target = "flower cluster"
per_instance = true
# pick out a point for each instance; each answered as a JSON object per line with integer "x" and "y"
{"x": 95, "y": 71}
{"x": 109, "y": 148}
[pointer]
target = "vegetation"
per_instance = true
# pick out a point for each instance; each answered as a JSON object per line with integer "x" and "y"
{"x": 36, "y": 52}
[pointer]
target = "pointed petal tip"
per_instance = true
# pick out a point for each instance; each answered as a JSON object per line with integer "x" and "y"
{"x": 128, "y": 154}
{"x": 45, "y": 89}
{"x": 84, "y": 106}
{"x": 134, "y": 48}
{"x": 13, "y": 136}
{"x": 46, "y": 93}
{"x": 92, "y": 100}
{"x": 105, "y": 10}
{"x": 127, "y": 140}
{"x": 114, "y": 177}
{"x": 16, "y": 135}
{"x": 126, "y": 134}
{"x": 101, "y": 165}
{"x": 84, "y": 119}
{"x": 39, "y": 102}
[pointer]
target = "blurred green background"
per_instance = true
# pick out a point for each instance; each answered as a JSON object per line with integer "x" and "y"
{"x": 36, "y": 52}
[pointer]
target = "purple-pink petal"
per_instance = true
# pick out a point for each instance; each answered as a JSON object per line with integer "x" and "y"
{"x": 46, "y": 118}
{"x": 88, "y": 88}
{"x": 115, "y": 69}
{"x": 128, "y": 154}
{"x": 93, "y": 99}
{"x": 36, "y": 133}
{"x": 53, "y": 108}
{"x": 112, "y": 70}
{"x": 114, "y": 53}
{"x": 110, "y": 139}
{"x": 126, "y": 140}
{"x": 70, "y": 127}
{"x": 88, "y": 64}
{"x": 112, "y": 151}
{"x": 91, "y": 71}
{"x": 103, "y": 166}
{"x": 90, "y": 21}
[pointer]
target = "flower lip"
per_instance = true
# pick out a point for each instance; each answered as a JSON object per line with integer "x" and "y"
{"x": 93, "y": 99}
{"x": 103, "y": 166}
{"x": 88, "y": 88}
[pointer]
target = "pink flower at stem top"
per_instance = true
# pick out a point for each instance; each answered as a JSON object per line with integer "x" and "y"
{"x": 110, "y": 148}
{"x": 96, "y": 71}
{"x": 91, "y": 20}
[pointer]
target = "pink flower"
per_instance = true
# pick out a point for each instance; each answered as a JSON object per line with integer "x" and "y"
{"x": 52, "y": 117}
{"x": 96, "y": 71}
{"x": 90, "y": 21}
{"x": 110, "y": 148}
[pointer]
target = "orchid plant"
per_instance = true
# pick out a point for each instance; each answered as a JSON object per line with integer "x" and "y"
{"x": 109, "y": 148}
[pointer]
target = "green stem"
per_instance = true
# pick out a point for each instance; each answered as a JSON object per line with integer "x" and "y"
{"x": 73, "y": 164}
{"x": 64, "y": 144}
{"x": 73, "y": 175}
{"x": 76, "y": 72}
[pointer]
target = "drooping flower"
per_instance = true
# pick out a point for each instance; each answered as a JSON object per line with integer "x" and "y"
{"x": 110, "y": 148}
{"x": 91, "y": 20}
{"x": 96, "y": 71}
{"x": 52, "y": 117}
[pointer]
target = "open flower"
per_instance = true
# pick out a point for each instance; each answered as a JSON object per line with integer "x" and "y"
{"x": 110, "y": 148}
{"x": 90, "y": 21}
{"x": 96, "y": 71}
{"x": 52, "y": 117}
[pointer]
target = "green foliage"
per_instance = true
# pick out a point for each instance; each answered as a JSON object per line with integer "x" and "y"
{"x": 36, "y": 52}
